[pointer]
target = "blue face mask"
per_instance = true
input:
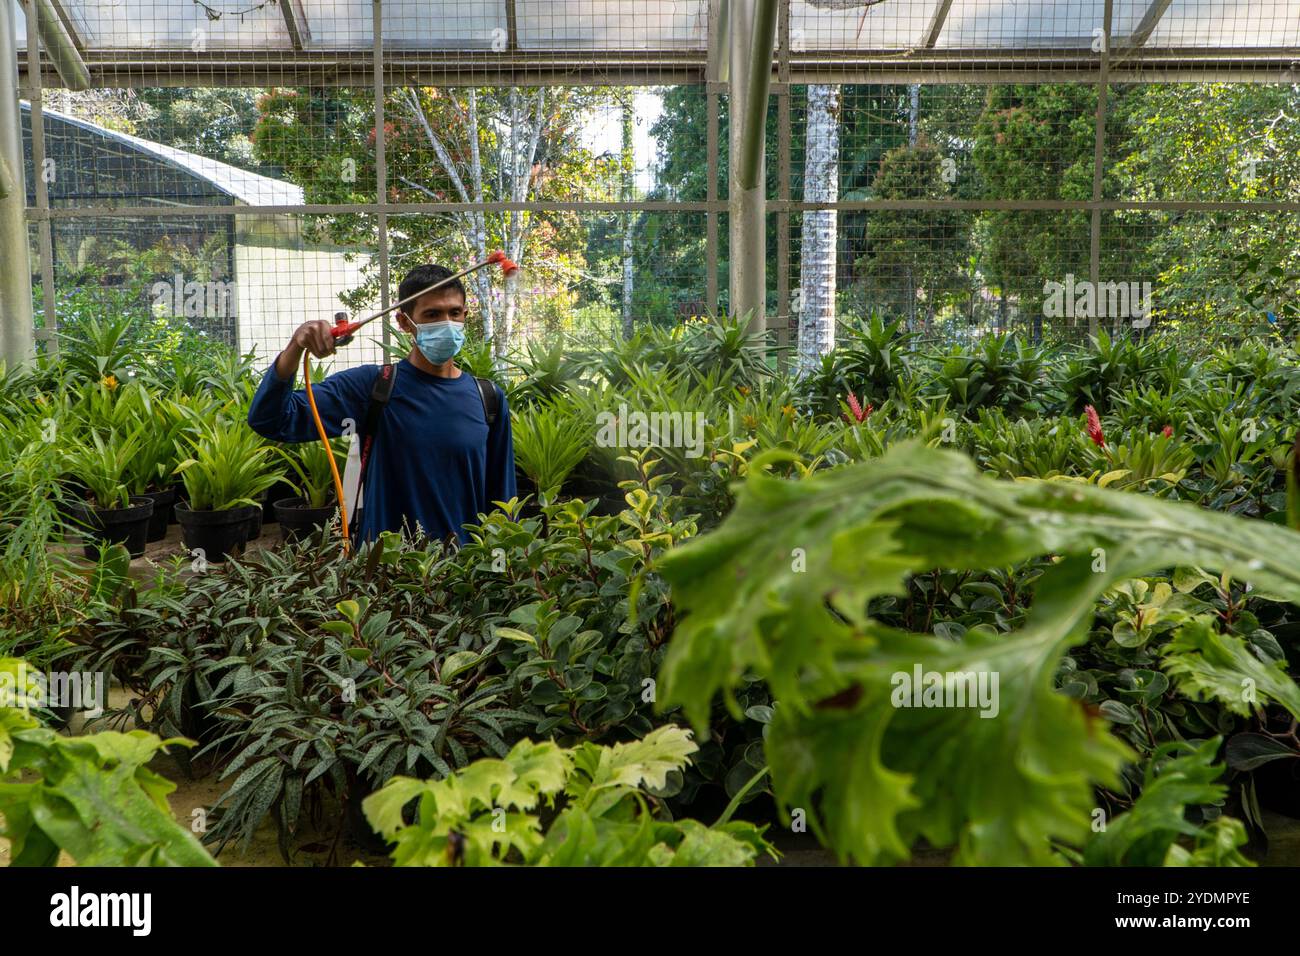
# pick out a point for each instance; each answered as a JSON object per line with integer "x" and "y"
{"x": 439, "y": 341}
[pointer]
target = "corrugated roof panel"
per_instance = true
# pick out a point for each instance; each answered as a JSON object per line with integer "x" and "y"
{"x": 615, "y": 25}
{"x": 440, "y": 24}
{"x": 1034, "y": 24}
{"x": 898, "y": 24}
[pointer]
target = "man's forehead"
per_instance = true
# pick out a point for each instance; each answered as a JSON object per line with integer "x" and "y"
{"x": 438, "y": 299}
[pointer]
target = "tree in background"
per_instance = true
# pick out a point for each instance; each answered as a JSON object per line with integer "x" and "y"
{"x": 1035, "y": 142}
{"x": 815, "y": 302}
{"x": 216, "y": 122}
{"x": 1211, "y": 141}
{"x": 465, "y": 145}
{"x": 627, "y": 184}
{"x": 913, "y": 257}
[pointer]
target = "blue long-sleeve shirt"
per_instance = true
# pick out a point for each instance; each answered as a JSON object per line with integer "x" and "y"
{"x": 434, "y": 461}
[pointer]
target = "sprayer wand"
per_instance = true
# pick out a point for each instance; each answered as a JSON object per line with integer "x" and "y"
{"x": 343, "y": 332}
{"x": 343, "y": 329}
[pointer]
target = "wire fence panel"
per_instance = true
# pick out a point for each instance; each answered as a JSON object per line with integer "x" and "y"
{"x": 964, "y": 166}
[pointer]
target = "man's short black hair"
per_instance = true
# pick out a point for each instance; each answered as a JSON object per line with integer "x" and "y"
{"x": 421, "y": 277}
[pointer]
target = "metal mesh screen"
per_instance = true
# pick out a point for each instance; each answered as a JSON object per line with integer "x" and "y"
{"x": 965, "y": 166}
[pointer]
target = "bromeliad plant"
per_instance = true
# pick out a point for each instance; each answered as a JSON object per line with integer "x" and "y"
{"x": 102, "y": 464}
{"x": 491, "y": 813}
{"x": 1033, "y": 448}
{"x": 229, "y": 466}
{"x": 311, "y": 463}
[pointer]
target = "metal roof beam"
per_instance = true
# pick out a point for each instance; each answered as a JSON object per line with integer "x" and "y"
{"x": 59, "y": 46}
{"x": 1147, "y": 25}
{"x": 759, "y": 80}
{"x": 937, "y": 21}
{"x": 68, "y": 25}
{"x": 295, "y": 20}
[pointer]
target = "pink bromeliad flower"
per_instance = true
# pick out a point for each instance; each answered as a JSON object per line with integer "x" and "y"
{"x": 1167, "y": 431}
{"x": 859, "y": 413}
{"x": 1094, "y": 427}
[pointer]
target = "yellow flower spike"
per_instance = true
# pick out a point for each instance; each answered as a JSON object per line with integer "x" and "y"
{"x": 109, "y": 382}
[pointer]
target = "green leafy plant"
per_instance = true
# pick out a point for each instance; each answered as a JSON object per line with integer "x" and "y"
{"x": 101, "y": 463}
{"x": 1001, "y": 371}
{"x": 1180, "y": 775}
{"x": 550, "y": 440}
{"x": 549, "y": 369}
{"x": 229, "y": 465}
{"x": 488, "y": 813}
{"x": 1033, "y": 448}
{"x": 874, "y": 358}
{"x": 311, "y": 463}
{"x": 91, "y": 796}
{"x": 879, "y": 775}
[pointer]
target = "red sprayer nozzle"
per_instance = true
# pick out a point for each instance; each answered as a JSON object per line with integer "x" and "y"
{"x": 508, "y": 266}
{"x": 343, "y": 329}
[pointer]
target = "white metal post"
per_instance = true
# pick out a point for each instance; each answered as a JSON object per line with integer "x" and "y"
{"x": 747, "y": 168}
{"x": 17, "y": 339}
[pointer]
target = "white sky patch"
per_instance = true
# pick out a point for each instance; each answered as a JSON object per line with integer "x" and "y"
{"x": 603, "y": 133}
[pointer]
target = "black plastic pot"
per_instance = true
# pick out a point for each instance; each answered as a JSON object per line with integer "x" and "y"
{"x": 126, "y": 526}
{"x": 278, "y": 492}
{"x": 218, "y": 534}
{"x": 255, "y": 520}
{"x": 69, "y": 505}
{"x": 162, "y": 512}
{"x": 297, "y": 520}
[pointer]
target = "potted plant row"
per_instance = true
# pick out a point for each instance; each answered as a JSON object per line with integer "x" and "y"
{"x": 315, "y": 504}
{"x": 228, "y": 467}
{"x": 151, "y": 472}
{"x": 107, "y": 512}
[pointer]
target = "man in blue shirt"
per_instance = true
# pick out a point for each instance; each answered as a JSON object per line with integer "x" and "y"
{"x": 435, "y": 460}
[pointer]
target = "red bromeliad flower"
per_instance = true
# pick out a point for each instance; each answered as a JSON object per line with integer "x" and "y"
{"x": 1167, "y": 431}
{"x": 859, "y": 413}
{"x": 1094, "y": 427}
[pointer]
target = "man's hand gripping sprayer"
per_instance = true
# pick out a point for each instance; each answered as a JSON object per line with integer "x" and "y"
{"x": 343, "y": 332}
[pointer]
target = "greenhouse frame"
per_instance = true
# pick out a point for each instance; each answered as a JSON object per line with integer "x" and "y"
{"x": 597, "y": 434}
{"x": 720, "y": 48}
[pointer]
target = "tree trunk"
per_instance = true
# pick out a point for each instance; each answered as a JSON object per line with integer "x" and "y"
{"x": 913, "y": 113}
{"x": 815, "y": 302}
{"x": 627, "y": 164}
{"x": 482, "y": 278}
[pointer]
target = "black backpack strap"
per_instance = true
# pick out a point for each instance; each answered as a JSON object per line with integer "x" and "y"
{"x": 487, "y": 391}
{"x": 380, "y": 392}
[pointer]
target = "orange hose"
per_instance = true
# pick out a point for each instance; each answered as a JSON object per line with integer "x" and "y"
{"x": 334, "y": 468}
